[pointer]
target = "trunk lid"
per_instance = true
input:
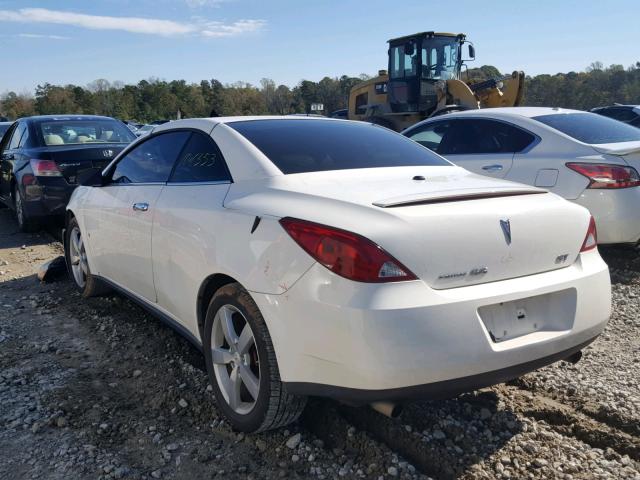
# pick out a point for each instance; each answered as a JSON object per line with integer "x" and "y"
{"x": 451, "y": 229}
{"x": 468, "y": 242}
{"x": 72, "y": 159}
{"x": 629, "y": 151}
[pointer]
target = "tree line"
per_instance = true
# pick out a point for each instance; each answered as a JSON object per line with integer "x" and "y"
{"x": 155, "y": 99}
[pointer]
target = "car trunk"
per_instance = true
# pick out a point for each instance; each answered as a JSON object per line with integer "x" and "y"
{"x": 629, "y": 151}
{"x": 452, "y": 229}
{"x": 72, "y": 159}
{"x": 459, "y": 240}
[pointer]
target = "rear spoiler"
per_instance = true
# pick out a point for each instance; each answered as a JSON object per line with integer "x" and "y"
{"x": 624, "y": 149}
{"x": 459, "y": 196}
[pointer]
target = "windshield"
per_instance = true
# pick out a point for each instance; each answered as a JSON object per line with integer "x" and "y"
{"x": 57, "y": 132}
{"x": 404, "y": 60}
{"x": 298, "y": 146}
{"x": 591, "y": 128}
{"x": 440, "y": 58}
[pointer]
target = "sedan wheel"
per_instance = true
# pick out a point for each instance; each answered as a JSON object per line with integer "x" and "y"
{"x": 78, "y": 257}
{"x": 25, "y": 224}
{"x": 235, "y": 359}
{"x": 242, "y": 365}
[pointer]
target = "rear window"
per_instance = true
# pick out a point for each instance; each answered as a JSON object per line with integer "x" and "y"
{"x": 591, "y": 128}
{"x": 57, "y": 132}
{"x": 299, "y": 146}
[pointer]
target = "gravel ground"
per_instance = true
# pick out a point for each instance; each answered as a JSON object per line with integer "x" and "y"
{"x": 100, "y": 389}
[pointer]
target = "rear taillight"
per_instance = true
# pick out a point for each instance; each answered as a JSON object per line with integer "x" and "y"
{"x": 345, "y": 253}
{"x": 28, "y": 179}
{"x": 591, "y": 239}
{"x": 44, "y": 168}
{"x": 607, "y": 176}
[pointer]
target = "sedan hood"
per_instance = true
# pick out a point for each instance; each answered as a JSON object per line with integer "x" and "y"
{"x": 452, "y": 229}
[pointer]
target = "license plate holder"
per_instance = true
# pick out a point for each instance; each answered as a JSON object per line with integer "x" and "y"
{"x": 549, "y": 312}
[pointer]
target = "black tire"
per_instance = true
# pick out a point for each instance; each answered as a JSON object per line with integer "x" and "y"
{"x": 274, "y": 407}
{"x": 25, "y": 223}
{"x": 93, "y": 286}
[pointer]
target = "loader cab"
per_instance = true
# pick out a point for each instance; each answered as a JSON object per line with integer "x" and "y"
{"x": 417, "y": 63}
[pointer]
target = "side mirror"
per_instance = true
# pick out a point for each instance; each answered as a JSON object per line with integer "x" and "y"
{"x": 472, "y": 52}
{"x": 90, "y": 177}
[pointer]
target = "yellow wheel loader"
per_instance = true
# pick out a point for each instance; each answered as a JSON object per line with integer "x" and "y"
{"x": 424, "y": 79}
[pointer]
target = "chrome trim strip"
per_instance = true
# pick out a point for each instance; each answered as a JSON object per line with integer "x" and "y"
{"x": 184, "y": 184}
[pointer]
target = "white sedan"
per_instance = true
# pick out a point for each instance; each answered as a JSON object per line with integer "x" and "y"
{"x": 586, "y": 158}
{"x": 313, "y": 256}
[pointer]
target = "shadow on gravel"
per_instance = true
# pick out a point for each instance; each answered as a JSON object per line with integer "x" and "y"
{"x": 623, "y": 261}
{"x": 442, "y": 439}
{"x": 13, "y": 238}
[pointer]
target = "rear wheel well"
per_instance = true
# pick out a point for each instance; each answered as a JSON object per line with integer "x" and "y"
{"x": 67, "y": 217}
{"x": 207, "y": 290}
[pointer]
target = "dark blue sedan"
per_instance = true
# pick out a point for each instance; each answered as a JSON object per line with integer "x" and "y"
{"x": 40, "y": 158}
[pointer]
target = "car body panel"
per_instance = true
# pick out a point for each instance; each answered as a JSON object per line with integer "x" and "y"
{"x": 119, "y": 237}
{"x": 194, "y": 237}
{"x": 629, "y": 152}
{"x": 490, "y": 164}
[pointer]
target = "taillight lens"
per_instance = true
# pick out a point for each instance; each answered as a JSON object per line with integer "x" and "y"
{"x": 28, "y": 179}
{"x": 607, "y": 176}
{"x": 591, "y": 240}
{"x": 44, "y": 168}
{"x": 345, "y": 253}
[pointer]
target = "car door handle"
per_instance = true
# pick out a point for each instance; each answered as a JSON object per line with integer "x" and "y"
{"x": 492, "y": 168}
{"x": 141, "y": 207}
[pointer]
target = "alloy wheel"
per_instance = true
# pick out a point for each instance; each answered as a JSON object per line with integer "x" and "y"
{"x": 78, "y": 257}
{"x": 235, "y": 359}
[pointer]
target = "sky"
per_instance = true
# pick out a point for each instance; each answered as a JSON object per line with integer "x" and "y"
{"x": 76, "y": 42}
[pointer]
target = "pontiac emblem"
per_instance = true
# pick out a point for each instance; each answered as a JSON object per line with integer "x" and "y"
{"x": 506, "y": 229}
{"x": 107, "y": 153}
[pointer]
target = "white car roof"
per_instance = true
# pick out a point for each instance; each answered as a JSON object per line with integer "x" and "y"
{"x": 209, "y": 123}
{"x": 249, "y": 163}
{"x": 528, "y": 112}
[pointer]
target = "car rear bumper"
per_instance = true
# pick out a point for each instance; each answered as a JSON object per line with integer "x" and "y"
{"x": 41, "y": 201}
{"x": 432, "y": 391}
{"x": 369, "y": 342}
{"x": 616, "y": 212}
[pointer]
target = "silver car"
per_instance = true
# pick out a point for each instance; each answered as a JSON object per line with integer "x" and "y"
{"x": 589, "y": 159}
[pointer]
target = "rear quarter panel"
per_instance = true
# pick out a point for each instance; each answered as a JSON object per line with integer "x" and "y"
{"x": 194, "y": 237}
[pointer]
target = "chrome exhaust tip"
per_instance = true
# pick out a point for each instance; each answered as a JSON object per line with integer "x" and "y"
{"x": 388, "y": 409}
